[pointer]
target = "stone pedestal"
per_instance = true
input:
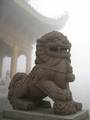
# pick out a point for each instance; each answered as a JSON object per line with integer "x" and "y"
{"x": 7, "y": 113}
{"x": 37, "y": 115}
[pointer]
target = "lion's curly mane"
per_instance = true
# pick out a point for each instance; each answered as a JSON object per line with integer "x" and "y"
{"x": 42, "y": 48}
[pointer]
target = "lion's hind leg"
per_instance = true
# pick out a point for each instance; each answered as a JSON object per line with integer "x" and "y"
{"x": 19, "y": 98}
{"x": 16, "y": 78}
{"x": 20, "y": 101}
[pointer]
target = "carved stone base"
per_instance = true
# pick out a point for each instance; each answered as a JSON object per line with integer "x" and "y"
{"x": 42, "y": 114}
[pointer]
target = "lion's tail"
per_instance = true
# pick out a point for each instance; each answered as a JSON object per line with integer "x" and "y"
{"x": 15, "y": 79}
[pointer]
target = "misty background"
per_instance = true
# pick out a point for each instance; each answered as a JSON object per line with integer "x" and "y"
{"x": 77, "y": 29}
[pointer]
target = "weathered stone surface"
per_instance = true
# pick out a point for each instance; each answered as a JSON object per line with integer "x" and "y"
{"x": 22, "y": 115}
{"x": 49, "y": 77}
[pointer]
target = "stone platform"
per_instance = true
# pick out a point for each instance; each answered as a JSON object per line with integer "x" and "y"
{"x": 7, "y": 113}
{"x": 42, "y": 114}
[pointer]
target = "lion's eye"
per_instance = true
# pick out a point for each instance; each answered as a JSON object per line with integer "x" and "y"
{"x": 54, "y": 49}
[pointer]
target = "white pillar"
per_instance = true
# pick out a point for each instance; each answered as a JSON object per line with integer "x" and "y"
{"x": 1, "y": 65}
{"x": 28, "y": 60}
{"x": 14, "y": 60}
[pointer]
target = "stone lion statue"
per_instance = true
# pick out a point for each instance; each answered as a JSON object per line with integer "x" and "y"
{"x": 49, "y": 77}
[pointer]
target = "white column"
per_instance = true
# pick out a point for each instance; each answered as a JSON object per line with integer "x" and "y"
{"x": 14, "y": 60}
{"x": 1, "y": 65}
{"x": 28, "y": 60}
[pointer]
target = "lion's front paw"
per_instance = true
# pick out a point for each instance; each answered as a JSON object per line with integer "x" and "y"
{"x": 64, "y": 108}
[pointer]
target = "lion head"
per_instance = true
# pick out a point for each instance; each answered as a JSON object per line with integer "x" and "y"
{"x": 52, "y": 47}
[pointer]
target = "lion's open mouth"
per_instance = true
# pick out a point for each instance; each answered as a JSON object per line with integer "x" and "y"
{"x": 59, "y": 52}
{"x": 59, "y": 49}
{"x": 65, "y": 49}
